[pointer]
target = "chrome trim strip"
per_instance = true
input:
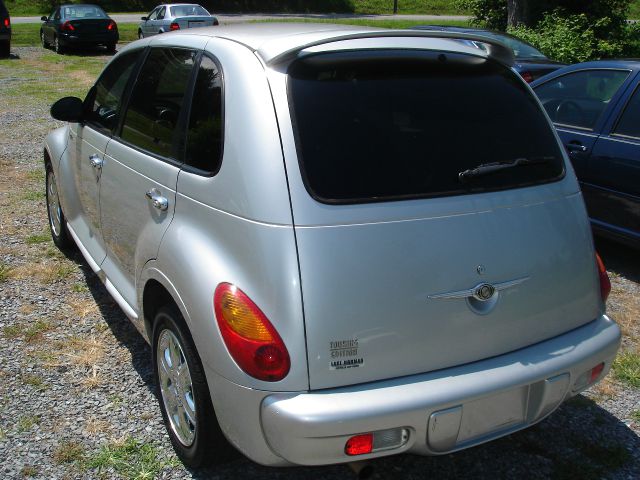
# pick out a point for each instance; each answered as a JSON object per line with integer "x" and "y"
{"x": 470, "y": 292}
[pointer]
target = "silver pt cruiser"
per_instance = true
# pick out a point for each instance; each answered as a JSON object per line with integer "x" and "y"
{"x": 342, "y": 243}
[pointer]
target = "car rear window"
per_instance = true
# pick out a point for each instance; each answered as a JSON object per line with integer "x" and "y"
{"x": 389, "y": 124}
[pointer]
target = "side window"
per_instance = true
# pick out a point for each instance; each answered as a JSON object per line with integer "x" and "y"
{"x": 154, "y": 108}
{"x": 56, "y": 14}
{"x": 161, "y": 13}
{"x": 154, "y": 14}
{"x": 578, "y": 99}
{"x": 204, "y": 135}
{"x": 629, "y": 123}
{"x": 104, "y": 101}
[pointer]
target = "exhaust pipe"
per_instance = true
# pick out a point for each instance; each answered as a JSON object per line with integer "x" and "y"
{"x": 363, "y": 469}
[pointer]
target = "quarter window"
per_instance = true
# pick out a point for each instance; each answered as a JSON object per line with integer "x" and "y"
{"x": 105, "y": 99}
{"x": 204, "y": 136}
{"x": 152, "y": 117}
{"x": 629, "y": 123}
{"x": 578, "y": 99}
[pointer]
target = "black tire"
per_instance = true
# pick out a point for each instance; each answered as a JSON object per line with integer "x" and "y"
{"x": 140, "y": 34}
{"x": 207, "y": 444}
{"x": 111, "y": 48}
{"x": 57, "y": 46}
{"x": 57, "y": 221}
{"x": 5, "y": 48}
{"x": 43, "y": 40}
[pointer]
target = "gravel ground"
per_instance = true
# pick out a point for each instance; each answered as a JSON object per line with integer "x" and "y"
{"x": 76, "y": 390}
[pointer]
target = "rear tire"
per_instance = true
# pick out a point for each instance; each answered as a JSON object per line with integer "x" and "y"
{"x": 111, "y": 48}
{"x": 45, "y": 44}
{"x": 57, "y": 221}
{"x": 5, "y": 48}
{"x": 183, "y": 393}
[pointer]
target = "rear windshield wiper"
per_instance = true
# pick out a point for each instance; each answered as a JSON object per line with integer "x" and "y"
{"x": 488, "y": 168}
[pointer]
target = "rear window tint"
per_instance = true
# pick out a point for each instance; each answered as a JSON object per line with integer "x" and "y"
{"x": 381, "y": 125}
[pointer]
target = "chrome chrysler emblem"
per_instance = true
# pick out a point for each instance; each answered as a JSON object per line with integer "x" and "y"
{"x": 484, "y": 292}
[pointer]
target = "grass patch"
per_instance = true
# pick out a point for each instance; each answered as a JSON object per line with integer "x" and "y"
{"x": 12, "y": 331}
{"x": 36, "y": 175}
{"x": 27, "y": 422}
{"x": 29, "y": 471}
{"x": 34, "y": 195}
{"x": 35, "y": 331}
{"x": 405, "y": 7}
{"x": 4, "y": 271}
{"x": 68, "y": 452}
{"x": 37, "y": 239}
{"x": 626, "y": 368}
{"x": 79, "y": 287}
{"x": 130, "y": 459}
{"x": 365, "y": 22}
{"x": 34, "y": 380}
{"x": 28, "y": 34}
{"x": 635, "y": 415}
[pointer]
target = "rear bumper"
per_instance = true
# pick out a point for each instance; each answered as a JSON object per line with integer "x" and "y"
{"x": 442, "y": 411}
{"x": 99, "y": 39}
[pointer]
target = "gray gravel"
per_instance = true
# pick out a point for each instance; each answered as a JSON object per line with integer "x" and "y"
{"x": 75, "y": 375}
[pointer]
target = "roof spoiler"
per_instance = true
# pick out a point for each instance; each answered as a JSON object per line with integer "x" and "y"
{"x": 274, "y": 53}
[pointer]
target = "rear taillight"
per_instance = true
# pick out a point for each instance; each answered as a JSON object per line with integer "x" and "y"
{"x": 359, "y": 445}
{"x": 174, "y": 26}
{"x": 605, "y": 283}
{"x": 254, "y": 344}
{"x": 528, "y": 76}
{"x": 112, "y": 26}
{"x": 67, "y": 27}
{"x": 7, "y": 22}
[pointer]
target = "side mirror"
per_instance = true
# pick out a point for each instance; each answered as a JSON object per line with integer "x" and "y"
{"x": 44, "y": 18}
{"x": 67, "y": 109}
{"x": 144, "y": 18}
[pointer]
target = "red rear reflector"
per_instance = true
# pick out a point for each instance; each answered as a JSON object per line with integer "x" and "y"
{"x": 595, "y": 372}
{"x": 7, "y": 22}
{"x": 253, "y": 343}
{"x": 528, "y": 77}
{"x": 359, "y": 445}
{"x": 174, "y": 26}
{"x": 112, "y": 25}
{"x": 66, "y": 26}
{"x": 605, "y": 283}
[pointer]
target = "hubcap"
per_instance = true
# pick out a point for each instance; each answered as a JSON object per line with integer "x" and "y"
{"x": 176, "y": 387}
{"x": 53, "y": 204}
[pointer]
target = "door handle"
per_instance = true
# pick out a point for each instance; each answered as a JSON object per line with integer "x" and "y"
{"x": 96, "y": 162}
{"x": 576, "y": 147}
{"x": 157, "y": 200}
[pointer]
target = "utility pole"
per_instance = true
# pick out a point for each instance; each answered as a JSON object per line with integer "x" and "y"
{"x": 395, "y": 6}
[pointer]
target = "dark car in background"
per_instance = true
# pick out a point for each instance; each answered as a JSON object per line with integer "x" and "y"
{"x": 530, "y": 63}
{"x": 5, "y": 31}
{"x": 595, "y": 107}
{"x": 78, "y": 26}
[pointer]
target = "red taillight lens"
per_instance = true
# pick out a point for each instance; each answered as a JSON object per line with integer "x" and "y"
{"x": 174, "y": 26}
{"x": 112, "y": 26}
{"x": 7, "y": 22}
{"x": 67, "y": 27}
{"x": 528, "y": 76}
{"x": 605, "y": 283}
{"x": 595, "y": 372}
{"x": 359, "y": 445}
{"x": 252, "y": 341}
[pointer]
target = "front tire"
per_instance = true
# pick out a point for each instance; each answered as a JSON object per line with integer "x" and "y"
{"x": 140, "y": 34}
{"x": 183, "y": 393}
{"x": 57, "y": 221}
{"x": 59, "y": 49}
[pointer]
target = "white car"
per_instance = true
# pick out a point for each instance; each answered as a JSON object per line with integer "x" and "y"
{"x": 341, "y": 242}
{"x": 175, "y": 16}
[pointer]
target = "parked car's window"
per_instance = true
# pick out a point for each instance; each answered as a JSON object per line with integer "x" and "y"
{"x": 204, "y": 136}
{"x": 84, "y": 11}
{"x": 387, "y": 124}
{"x": 156, "y": 101}
{"x": 104, "y": 101}
{"x": 578, "y": 99}
{"x": 629, "y": 123}
{"x": 154, "y": 14}
{"x": 161, "y": 13}
{"x": 187, "y": 11}
{"x": 56, "y": 14}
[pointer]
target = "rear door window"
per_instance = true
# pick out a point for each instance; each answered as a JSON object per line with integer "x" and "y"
{"x": 629, "y": 122}
{"x": 381, "y": 125}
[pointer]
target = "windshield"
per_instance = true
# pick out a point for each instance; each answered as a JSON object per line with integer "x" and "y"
{"x": 84, "y": 11}
{"x": 188, "y": 11}
{"x": 391, "y": 124}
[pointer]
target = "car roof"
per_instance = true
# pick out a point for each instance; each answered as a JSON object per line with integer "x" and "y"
{"x": 276, "y": 42}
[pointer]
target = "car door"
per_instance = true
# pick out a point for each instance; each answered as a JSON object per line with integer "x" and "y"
{"x": 138, "y": 186}
{"x": 147, "y": 27}
{"x": 577, "y": 104}
{"x": 612, "y": 186}
{"x": 88, "y": 142}
{"x": 49, "y": 26}
{"x": 160, "y": 24}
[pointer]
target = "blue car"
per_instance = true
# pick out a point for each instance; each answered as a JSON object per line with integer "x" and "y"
{"x": 595, "y": 107}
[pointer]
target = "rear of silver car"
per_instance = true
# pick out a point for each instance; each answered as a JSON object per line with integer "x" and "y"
{"x": 450, "y": 288}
